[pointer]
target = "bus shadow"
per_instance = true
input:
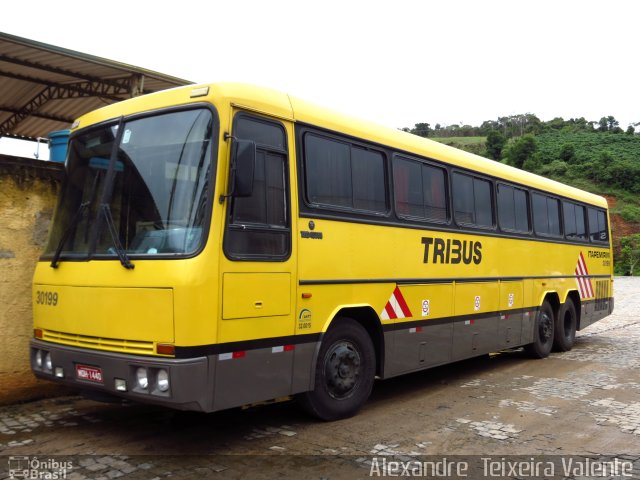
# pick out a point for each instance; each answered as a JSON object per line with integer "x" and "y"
{"x": 443, "y": 376}
{"x": 394, "y": 389}
{"x": 233, "y": 431}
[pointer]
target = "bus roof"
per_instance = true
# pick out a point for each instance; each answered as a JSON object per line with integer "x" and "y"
{"x": 277, "y": 103}
{"x": 308, "y": 113}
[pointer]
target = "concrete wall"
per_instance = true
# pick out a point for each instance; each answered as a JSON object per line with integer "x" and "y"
{"x": 28, "y": 190}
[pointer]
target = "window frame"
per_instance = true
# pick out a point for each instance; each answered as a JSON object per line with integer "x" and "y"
{"x": 558, "y": 201}
{"x": 351, "y": 143}
{"x": 397, "y": 156}
{"x": 528, "y": 206}
{"x": 212, "y": 179}
{"x": 492, "y": 200}
{"x": 249, "y": 226}
{"x": 585, "y": 220}
{"x": 598, "y": 210}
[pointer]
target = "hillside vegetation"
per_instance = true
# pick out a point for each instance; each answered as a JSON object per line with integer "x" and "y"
{"x": 599, "y": 157}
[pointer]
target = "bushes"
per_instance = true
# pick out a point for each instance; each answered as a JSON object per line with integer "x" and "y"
{"x": 609, "y": 160}
{"x": 630, "y": 213}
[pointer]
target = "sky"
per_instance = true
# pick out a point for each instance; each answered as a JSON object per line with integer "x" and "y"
{"x": 395, "y": 62}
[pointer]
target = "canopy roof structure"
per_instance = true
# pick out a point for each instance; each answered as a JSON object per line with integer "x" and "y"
{"x": 44, "y": 88}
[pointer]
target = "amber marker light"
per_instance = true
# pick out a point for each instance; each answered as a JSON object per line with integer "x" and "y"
{"x": 37, "y": 332}
{"x": 165, "y": 349}
{"x": 306, "y": 295}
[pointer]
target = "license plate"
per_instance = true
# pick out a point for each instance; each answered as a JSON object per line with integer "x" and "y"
{"x": 91, "y": 374}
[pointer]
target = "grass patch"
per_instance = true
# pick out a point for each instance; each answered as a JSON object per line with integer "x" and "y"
{"x": 460, "y": 140}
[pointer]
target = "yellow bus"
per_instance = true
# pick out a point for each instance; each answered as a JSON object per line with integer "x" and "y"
{"x": 221, "y": 245}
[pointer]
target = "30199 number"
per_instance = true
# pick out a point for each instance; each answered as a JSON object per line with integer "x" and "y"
{"x": 44, "y": 297}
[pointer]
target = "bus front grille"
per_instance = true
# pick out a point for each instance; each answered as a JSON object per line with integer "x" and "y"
{"x": 99, "y": 343}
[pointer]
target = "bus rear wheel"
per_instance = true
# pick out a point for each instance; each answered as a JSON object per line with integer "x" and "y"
{"x": 565, "y": 328}
{"x": 543, "y": 332}
{"x": 345, "y": 372}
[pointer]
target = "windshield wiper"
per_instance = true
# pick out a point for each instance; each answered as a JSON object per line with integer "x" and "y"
{"x": 55, "y": 261}
{"x": 122, "y": 254}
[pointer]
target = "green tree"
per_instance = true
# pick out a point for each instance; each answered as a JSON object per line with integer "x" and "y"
{"x": 534, "y": 163}
{"x": 568, "y": 153}
{"x": 494, "y": 144}
{"x": 557, "y": 123}
{"x": 605, "y": 159}
{"x": 630, "y": 130}
{"x": 629, "y": 252}
{"x": 609, "y": 124}
{"x": 556, "y": 169}
{"x": 521, "y": 150}
{"x": 422, "y": 129}
{"x": 603, "y": 125}
{"x": 580, "y": 124}
{"x": 489, "y": 125}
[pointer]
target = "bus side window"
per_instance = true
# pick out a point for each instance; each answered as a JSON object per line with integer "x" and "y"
{"x": 343, "y": 176}
{"x": 574, "y": 226}
{"x": 598, "y": 231}
{"x": 258, "y": 225}
{"x": 546, "y": 215}
{"x": 512, "y": 209}
{"x": 472, "y": 201}
{"x": 420, "y": 191}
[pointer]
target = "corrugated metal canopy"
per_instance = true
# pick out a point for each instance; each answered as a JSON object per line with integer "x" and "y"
{"x": 44, "y": 88}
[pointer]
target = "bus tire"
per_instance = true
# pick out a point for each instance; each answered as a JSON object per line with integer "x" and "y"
{"x": 542, "y": 333}
{"x": 345, "y": 372}
{"x": 565, "y": 328}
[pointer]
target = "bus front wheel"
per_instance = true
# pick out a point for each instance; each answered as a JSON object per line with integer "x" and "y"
{"x": 565, "y": 329}
{"x": 345, "y": 372}
{"x": 543, "y": 332}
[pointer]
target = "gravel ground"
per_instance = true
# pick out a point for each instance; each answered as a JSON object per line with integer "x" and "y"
{"x": 582, "y": 405}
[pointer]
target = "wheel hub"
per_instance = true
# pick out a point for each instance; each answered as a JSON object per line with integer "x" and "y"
{"x": 342, "y": 369}
{"x": 546, "y": 327}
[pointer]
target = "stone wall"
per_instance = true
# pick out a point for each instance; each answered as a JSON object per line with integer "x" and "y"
{"x": 28, "y": 190}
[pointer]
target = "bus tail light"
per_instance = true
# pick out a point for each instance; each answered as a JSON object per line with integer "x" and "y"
{"x": 37, "y": 332}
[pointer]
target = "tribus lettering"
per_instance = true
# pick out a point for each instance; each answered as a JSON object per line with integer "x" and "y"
{"x": 451, "y": 251}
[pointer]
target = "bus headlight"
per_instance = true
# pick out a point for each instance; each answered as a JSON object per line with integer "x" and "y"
{"x": 39, "y": 358}
{"x": 162, "y": 380}
{"x": 142, "y": 378}
{"x": 48, "y": 365}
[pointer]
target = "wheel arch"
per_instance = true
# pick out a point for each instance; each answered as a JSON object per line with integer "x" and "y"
{"x": 574, "y": 296}
{"x": 554, "y": 299}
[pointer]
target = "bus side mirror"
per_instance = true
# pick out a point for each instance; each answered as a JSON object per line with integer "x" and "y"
{"x": 244, "y": 165}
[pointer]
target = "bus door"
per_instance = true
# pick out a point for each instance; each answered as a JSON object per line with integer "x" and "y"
{"x": 255, "y": 357}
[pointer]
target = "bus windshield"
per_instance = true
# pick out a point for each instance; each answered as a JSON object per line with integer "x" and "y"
{"x": 139, "y": 191}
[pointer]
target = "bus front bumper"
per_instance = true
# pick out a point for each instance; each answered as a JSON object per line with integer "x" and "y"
{"x": 185, "y": 384}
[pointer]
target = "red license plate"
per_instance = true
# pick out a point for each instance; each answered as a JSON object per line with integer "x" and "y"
{"x": 91, "y": 374}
